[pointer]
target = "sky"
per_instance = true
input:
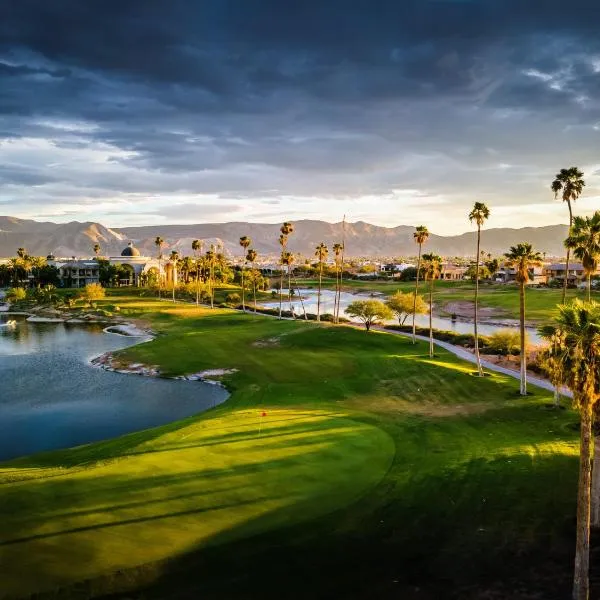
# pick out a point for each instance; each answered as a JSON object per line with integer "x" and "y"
{"x": 143, "y": 112}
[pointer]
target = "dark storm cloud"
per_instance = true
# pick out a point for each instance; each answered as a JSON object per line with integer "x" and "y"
{"x": 244, "y": 98}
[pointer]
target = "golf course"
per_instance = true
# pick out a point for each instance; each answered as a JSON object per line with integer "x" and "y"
{"x": 344, "y": 464}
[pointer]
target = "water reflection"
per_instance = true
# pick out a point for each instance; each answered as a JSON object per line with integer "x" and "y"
{"x": 441, "y": 323}
{"x": 50, "y": 397}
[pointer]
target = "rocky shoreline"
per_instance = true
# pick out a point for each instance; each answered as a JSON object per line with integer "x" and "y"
{"x": 109, "y": 362}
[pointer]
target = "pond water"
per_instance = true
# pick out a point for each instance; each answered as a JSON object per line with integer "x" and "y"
{"x": 442, "y": 323}
{"x": 51, "y": 397}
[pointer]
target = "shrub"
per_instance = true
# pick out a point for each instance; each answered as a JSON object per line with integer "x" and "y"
{"x": 505, "y": 341}
{"x": 233, "y": 298}
{"x": 16, "y": 294}
{"x": 92, "y": 292}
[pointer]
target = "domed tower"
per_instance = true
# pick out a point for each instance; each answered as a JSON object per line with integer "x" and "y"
{"x": 131, "y": 250}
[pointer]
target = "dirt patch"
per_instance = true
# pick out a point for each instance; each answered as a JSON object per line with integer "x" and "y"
{"x": 268, "y": 343}
{"x": 465, "y": 309}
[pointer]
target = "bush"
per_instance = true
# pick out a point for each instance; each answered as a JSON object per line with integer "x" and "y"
{"x": 92, "y": 292}
{"x": 505, "y": 342}
{"x": 233, "y": 298}
{"x": 16, "y": 294}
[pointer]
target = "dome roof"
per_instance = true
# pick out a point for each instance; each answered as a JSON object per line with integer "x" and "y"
{"x": 131, "y": 250}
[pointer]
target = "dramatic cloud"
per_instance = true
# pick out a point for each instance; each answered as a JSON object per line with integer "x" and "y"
{"x": 144, "y": 111}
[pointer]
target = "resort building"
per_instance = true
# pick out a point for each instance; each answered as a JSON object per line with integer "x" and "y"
{"x": 138, "y": 269}
{"x": 556, "y": 272}
{"x": 78, "y": 273}
{"x": 509, "y": 275}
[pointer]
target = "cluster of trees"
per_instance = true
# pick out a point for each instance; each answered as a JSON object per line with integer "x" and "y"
{"x": 24, "y": 270}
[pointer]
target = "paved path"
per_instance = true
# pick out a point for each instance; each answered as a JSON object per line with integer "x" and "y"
{"x": 470, "y": 357}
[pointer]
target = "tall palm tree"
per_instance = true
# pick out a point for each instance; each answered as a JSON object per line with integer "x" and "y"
{"x": 210, "y": 258}
{"x": 159, "y": 242}
{"x": 578, "y": 326}
{"x": 251, "y": 258}
{"x": 523, "y": 258}
{"x": 197, "y": 246}
{"x": 584, "y": 240}
{"x": 287, "y": 259}
{"x": 337, "y": 250}
{"x": 286, "y": 230}
{"x": 337, "y": 310}
{"x": 420, "y": 236}
{"x": 478, "y": 215}
{"x": 21, "y": 252}
{"x": 570, "y": 182}
{"x": 432, "y": 271}
{"x": 96, "y": 249}
{"x": 283, "y": 244}
{"x": 174, "y": 261}
{"x": 245, "y": 242}
{"x": 321, "y": 253}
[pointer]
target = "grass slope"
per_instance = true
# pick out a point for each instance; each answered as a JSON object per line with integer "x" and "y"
{"x": 377, "y": 471}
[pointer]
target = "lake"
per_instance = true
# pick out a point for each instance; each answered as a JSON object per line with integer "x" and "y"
{"x": 51, "y": 397}
{"x": 442, "y": 323}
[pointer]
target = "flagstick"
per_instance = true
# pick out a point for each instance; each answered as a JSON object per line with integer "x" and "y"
{"x": 260, "y": 422}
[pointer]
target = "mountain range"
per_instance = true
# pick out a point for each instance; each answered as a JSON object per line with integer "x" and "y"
{"x": 362, "y": 239}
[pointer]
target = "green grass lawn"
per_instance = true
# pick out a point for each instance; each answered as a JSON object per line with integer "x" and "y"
{"x": 377, "y": 473}
{"x": 541, "y": 302}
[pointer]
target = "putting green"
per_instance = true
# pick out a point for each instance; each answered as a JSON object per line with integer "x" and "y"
{"x": 205, "y": 482}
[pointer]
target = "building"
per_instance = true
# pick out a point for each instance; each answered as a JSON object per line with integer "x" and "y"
{"x": 138, "y": 269}
{"x": 394, "y": 269}
{"x": 78, "y": 273}
{"x": 556, "y": 272}
{"x": 452, "y": 272}
{"x": 509, "y": 275}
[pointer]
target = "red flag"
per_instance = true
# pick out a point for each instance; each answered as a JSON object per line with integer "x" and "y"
{"x": 264, "y": 414}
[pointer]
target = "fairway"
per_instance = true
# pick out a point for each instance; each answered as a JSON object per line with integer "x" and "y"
{"x": 372, "y": 463}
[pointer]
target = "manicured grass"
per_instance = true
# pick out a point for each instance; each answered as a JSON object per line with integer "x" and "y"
{"x": 376, "y": 471}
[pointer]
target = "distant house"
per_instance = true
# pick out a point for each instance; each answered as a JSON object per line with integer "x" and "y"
{"x": 509, "y": 275}
{"x": 556, "y": 272}
{"x": 395, "y": 269}
{"x": 451, "y": 272}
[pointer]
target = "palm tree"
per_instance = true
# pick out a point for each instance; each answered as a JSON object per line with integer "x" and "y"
{"x": 96, "y": 249}
{"x": 174, "y": 260}
{"x": 432, "y": 270}
{"x": 420, "y": 236}
{"x": 286, "y": 230}
{"x": 251, "y": 258}
{"x": 245, "y": 242}
{"x": 287, "y": 259}
{"x": 523, "y": 258}
{"x": 584, "y": 240}
{"x": 210, "y": 258}
{"x": 479, "y": 215}
{"x": 21, "y": 253}
{"x": 337, "y": 310}
{"x": 158, "y": 242}
{"x": 570, "y": 182}
{"x": 337, "y": 250}
{"x": 197, "y": 248}
{"x": 321, "y": 253}
{"x": 578, "y": 326}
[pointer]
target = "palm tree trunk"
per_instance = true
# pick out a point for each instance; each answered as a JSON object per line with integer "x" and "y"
{"x": 595, "y": 495}
{"x": 300, "y": 297}
{"x": 243, "y": 290}
{"x": 281, "y": 282}
{"x": 589, "y": 286}
{"x": 564, "y": 295}
{"x": 523, "y": 390}
{"x": 337, "y": 285}
{"x": 159, "y": 274}
{"x": 582, "y": 547}
{"x": 290, "y": 289}
{"x": 254, "y": 286}
{"x": 430, "y": 318}
{"x": 319, "y": 294}
{"x": 211, "y": 277}
{"x": 414, "y": 328}
{"x": 197, "y": 283}
{"x": 477, "y": 357}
